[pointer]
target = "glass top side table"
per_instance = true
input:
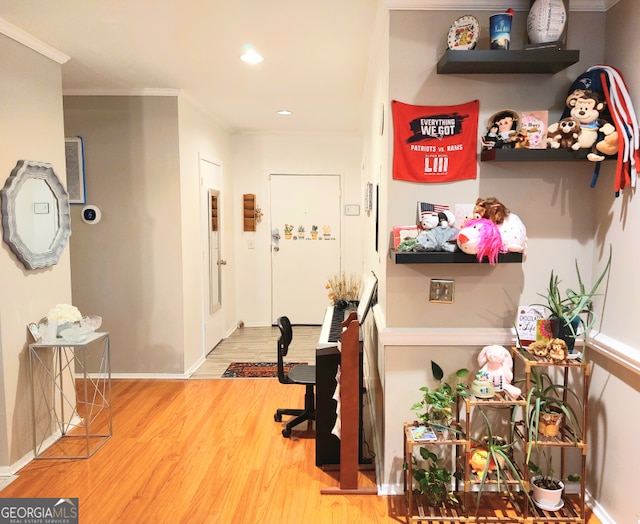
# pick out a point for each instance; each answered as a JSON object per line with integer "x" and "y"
{"x": 71, "y": 397}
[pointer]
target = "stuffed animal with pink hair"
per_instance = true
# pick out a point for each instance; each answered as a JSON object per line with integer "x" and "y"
{"x": 481, "y": 237}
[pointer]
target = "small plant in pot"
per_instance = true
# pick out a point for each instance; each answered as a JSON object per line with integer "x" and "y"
{"x": 433, "y": 480}
{"x": 491, "y": 458}
{"x": 572, "y": 313}
{"x": 548, "y": 489}
{"x": 546, "y": 403}
{"x": 437, "y": 404}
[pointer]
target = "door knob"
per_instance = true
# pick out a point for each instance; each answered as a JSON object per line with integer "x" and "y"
{"x": 222, "y": 262}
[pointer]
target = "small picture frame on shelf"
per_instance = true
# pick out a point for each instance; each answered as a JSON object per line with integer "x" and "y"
{"x": 533, "y": 130}
{"x": 422, "y": 434}
{"x": 35, "y": 333}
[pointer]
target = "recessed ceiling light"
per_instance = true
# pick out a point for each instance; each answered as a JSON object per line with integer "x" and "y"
{"x": 251, "y": 56}
{"x": 284, "y": 112}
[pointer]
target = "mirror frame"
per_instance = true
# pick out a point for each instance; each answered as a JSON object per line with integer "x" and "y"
{"x": 25, "y": 170}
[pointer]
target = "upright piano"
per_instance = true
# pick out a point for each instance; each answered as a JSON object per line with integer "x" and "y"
{"x": 327, "y": 362}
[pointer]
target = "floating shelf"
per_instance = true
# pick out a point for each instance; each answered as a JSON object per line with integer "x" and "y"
{"x": 443, "y": 257}
{"x": 534, "y": 155}
{"x": 506, "y": 61}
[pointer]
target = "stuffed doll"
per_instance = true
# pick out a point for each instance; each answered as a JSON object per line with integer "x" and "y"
{"x": 566, "y": 134}
{"x": 588, "y": 108}
{"x": 439, "y": 238}
{"x": 512, "y": 230}
{"x": 481, "y": 237}
{"x": 496, "y": 361}
{"x": 501, "y": 130}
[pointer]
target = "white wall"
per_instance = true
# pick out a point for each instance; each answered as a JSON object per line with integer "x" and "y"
{"x": 565, "y": 219}
{"x": 201, "y": 137}
{"x": 254, "y": 158}
{"x": 31, "y": 129}
{"x": 615, "y": 389}
{"x": 128, "y": 267}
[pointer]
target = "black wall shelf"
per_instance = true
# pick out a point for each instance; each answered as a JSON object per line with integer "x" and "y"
{"x": 506, "y": 61}
{"x": 534, "y": 155}
{"x": 443, "y": 257}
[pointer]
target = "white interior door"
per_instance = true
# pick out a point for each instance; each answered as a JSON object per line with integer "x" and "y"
{"x": 212, "y": 262}
{"x": 305, "y": 244}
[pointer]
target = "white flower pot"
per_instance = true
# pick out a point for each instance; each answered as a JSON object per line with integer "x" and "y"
{"x": 548, "y": 499}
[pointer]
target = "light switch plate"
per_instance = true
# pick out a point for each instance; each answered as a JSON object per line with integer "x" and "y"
{"x": 441, "y": 291}
{"x": 352, "y": 209}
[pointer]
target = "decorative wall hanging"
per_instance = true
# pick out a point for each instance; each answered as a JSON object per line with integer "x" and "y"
{"x": 74, "y": 156}
{"x": 36, "y": 218}
{"x": 434, "y": 143}
{"x": 249, "y": 212}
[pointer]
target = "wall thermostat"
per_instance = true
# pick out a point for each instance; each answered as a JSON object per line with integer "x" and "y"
{"x": 91, "y": 214}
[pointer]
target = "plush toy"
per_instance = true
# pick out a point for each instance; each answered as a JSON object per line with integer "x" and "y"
{"x": 490, "y": 208}
{"x": 512, "y": 230}
{"x": 607, "y": 146}
{"x": 502, "y": 129}
{"x": 429, "y": 220}
{"x": 439, "y": 238}
{"x": 557, "y": 350}
{"x": 496, "y": 361}
{"x": 566, "y": 134}
{"x": 481, "y": 237}
{"x": 538, "y": 348}
{"x": 587, "y": 107}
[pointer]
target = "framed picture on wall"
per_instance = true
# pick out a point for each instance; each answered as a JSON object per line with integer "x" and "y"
{"x": 74, "y": 156}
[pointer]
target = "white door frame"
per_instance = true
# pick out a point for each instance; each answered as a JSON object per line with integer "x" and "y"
{"x": 212, "y": 317}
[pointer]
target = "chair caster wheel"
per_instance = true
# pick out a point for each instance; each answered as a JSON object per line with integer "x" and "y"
{"x": 286, "y": 433}
{"x": 277, "y": 417}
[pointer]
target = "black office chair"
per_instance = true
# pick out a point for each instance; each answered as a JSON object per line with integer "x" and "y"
{"x": 305, "y": 375}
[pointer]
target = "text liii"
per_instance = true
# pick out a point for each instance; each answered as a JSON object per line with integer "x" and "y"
{"x": 436, "y": 164}
{"x": 439, "y": 163}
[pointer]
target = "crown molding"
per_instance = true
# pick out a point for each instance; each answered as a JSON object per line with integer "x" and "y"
{"x": 489, "y": 5}
{"x": 30, "y": 41}
{"x": 144, "y": 91}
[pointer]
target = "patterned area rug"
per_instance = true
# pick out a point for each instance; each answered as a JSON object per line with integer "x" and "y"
{"x": 256, "y": 369}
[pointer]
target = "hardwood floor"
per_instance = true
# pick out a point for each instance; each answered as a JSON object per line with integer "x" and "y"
{"x": 200, "y": 451}
{"x": 258, "y": 344}
{"x": 205, "y": 451}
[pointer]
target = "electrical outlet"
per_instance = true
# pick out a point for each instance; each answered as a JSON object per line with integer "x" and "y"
{"x": 441, "y": 291}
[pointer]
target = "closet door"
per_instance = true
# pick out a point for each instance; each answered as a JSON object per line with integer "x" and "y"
{"x": 305, "y": 244}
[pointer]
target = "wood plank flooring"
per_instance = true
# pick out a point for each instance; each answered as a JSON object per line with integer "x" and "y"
{"x": 205, "y": 451}
{"x": 258, "y": 344}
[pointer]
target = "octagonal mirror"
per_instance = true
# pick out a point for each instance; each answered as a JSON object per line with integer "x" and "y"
{"x": 36, "y": 218}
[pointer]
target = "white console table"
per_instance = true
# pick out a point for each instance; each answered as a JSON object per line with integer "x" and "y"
{"x": 71, "y": 406}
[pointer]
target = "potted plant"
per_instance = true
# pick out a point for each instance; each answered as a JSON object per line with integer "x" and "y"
{"x": 545, "y": 401}
{"x": 288, "y": 230}
{"x": 572, "y": 313}
{"x": 437, "y": 404}
{"x": 547, "y": 489}
{"x": 343, "y": 290}
{"x": 491, "y": 459}
{"x": 433, "y": 480}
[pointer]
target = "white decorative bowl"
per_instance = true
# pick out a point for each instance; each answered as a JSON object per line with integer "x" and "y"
{"x": 93, "y": 322}
{"x": 76, "y": 335}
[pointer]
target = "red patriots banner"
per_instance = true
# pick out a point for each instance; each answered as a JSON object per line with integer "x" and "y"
{"x": 434, "y": 144}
